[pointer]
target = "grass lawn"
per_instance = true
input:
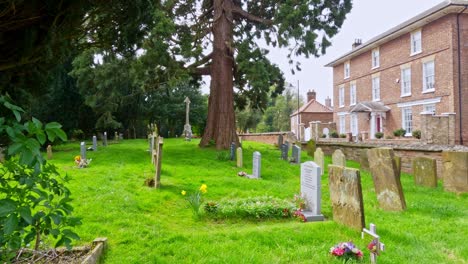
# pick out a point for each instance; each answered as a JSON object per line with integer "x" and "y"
{"x": 145, "y": 225}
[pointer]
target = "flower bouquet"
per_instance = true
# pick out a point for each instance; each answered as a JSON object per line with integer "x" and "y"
{"x": 346, "y": 251}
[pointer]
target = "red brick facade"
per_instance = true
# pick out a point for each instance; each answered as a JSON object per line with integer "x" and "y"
{"x": 439, "y": 44}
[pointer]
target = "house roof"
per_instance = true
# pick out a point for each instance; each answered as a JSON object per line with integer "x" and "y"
{"x": 313, "y": 106}
{"x": 436, "y": 12}
{"x": 369, "y": 107}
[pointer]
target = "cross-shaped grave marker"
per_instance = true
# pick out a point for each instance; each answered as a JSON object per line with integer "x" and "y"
{"x": 379, "y": 246}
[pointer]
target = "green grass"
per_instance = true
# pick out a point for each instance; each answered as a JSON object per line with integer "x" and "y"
{"x": 146, "y": 225}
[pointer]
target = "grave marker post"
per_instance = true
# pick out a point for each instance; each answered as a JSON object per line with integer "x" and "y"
{"x": 379, "y": 246}
{"x": 157, "y": 178}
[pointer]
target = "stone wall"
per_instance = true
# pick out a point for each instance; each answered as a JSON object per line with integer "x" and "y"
{"x": 317, "y": 127}
{"x": 438, "y": 129}
{"x": 268, "y": 138}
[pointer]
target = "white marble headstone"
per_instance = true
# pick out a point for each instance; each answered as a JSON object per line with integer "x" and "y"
{"x": 311, "y": 190}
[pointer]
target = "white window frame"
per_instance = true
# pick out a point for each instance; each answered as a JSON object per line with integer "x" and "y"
{"x": 375, "y": 58}
{"x": 416, "y": 42}
{"x": 406, "y": 82}
{"x": 429, "y": 108}
{"x": 407, "y": 120}
{"x": 342, "y": 120}
{"x": 376, "y": 88}
{"x": 354, "y": 124}
{"x": 352, "y": 94}
{"x": 347, "y": 70}
{"x": 341, "y": 96}
{"x": 428, "y": 77}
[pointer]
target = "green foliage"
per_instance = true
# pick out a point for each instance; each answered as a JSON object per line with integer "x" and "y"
{"x": 34, "y": 201}
{"x": 311, "y": 147}
{"x": 399, "y": 132}
{"x": 334, "y": 134}
{"x": 342, "y": 135}
{"x": 379, "y": 135}
{"x": 416, "y": 134}
{"x": 223, "y": 156}
{"x": 195, "y": 200}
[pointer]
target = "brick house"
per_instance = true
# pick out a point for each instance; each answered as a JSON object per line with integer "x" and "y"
{"x": 312, "y": 111}
{"x": 413, "y": 76}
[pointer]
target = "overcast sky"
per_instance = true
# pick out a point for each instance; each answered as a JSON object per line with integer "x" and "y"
{"x": 367, "y": 19}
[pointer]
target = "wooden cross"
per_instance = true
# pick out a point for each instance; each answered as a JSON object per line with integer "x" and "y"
{"x": 379, "y": 246}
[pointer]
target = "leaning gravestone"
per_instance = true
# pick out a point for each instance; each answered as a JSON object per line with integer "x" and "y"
{"x": 83, "y": 151}
{"x": 346, "y": 196}
{"x": 280, "y": 141}
{"x": 455, "y": 173}
{"x": 233, "y": 151}
{"x": 425, "y": 171}
{"x": 284, "y": 152}
{"x": 319, "y": 159}
{"x": 239, "y": 157}
{"x": 49, "y": 152}
{"x": 94, "y": 143}
{"x": 256, "y": 166}
{"x": 398, "y": 164}
{"x": 339, "y": 158}
{"x": 296, "y": 154}
{"x": 311, "y": 190}
{"x": 386, "y": 179}
{"x": 363, "y": 159}
{"x": 104, "y": 139}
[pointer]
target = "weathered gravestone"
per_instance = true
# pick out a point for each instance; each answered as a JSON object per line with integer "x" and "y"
{"x": 339, "y": 158}
{"x": 346, "y": 196}
{"x": 319, "y": 159}
{"x": 455, "y": 173}
{"x": 116, "y": 136}
{"x": 121, "y": 136}
{"x": 233, "y": 151}
{"x": 386, "y": 179}
{"x": 363, "y": 159}
{"x": 155, "y": 150}
{"x": 49, "y": 152}
{"x": 280, "y": 141}
{"x": 239, "y": 157}
{"x": 256, "y": 166}
{"x": 397, "y": 164}
{"x": 94, "y": 143}
{"x": 425, "y": 171}
{"x": 157, "y": 163}
{"x": 311, "y": 190}
{"x": 284, "y": 152}
{"x": 83, "y": 150}
{"x": 287, "y": 145}
{"x": 296, "y": 154}
{"x": 104, "y": 139}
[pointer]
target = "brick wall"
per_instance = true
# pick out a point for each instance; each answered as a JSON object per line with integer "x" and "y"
{"x": 306, "y": 118}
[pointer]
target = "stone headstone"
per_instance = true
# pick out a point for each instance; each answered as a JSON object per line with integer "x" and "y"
{"x": 455, "y": 171}
{"x": 296, "y": 154}
{"x": 284, "y": 152}
{"x": 233, "y": 151}
{"x": 83, "y": 150}
{"x": 319, "y": 159}
{"x": 386, "y": 179}
{"x": 398, "y": 164}
{"x": 104, "y": 139}
{"x": 94, "y": 143}
{"x": 339, "y": 158}
{"x": 425, "y": 171}
{"x": 287, "y": 145}
{"x": 151, "y": 145}
{"x": 121, "y": 136}
{"x": 363, "y": 159}
{"x": 256, "y": 166}
{"x": 346, "y": 196}
{"x": 239, "y": 157}
{"x": 311, "y": 190}
{"x": 116, "y": 136}
{"x": 49, "y": 152}
{"x": 280, "y": 141}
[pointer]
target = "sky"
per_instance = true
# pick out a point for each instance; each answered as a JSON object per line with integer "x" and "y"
{"x": 367, "y": 19}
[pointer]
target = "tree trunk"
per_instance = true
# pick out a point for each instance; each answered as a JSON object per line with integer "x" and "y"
{"x": 221, "y": 122}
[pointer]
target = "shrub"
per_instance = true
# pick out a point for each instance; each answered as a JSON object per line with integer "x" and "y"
{"x": 379, "y": 135}
{"x": 334, "y": 134}
{"x": 416, "y": 134}
{"x": 342, "y": 135}
{"x": 323, "y": 136}
{"x": 311, "y": 146}
{"x": 399, "y": 132}
{"x": 77, "y": 134}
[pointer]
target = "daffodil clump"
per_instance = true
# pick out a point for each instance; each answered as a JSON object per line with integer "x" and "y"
{"x": 195, "y": 199}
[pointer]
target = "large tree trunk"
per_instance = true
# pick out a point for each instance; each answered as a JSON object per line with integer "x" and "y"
{"x": 221, "y": 122}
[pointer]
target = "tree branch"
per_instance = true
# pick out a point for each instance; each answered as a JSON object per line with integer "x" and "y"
{"x": 202, "y": 61}
{"x": 201, "y": 71}
{"x": 246, "y": 15}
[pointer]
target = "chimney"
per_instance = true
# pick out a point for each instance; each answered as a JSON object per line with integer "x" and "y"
{"x": 357, "y": 43}
{"x": 311, "y": 95}
{"x": 328, "y": 102}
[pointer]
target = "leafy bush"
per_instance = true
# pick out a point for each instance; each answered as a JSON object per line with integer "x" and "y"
{"x": 334, "y": 134}
{"x": 399, "y": 132}
{"x": 379, "y": 135}
{"x": 416, "y": 134}
{"x": 323, "y": 136}
{"x": 342, "y": 135}
{"x": 265, "y": 207}
{"x": 311, "y": 146}
{"x": 77, "y": 134}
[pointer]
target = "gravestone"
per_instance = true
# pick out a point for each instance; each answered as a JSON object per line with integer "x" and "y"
{"x": 311, "y": 190}
{"x": 83, "y": 150}
{"x": 280, "y": 141}
{"x": 256, "y": 166}
{"x": 339, "y": 158}
{"x": 121, "y": 136}
{"x": 455, "y": 172}
{"x": 104, "y": 139}
{"x": 425, "y": 171}
{"x": 233, "y": 151}
{"x": 377, "y": 245}
{"x": 284, "y": 152}
{"x": 94, "y": 143}
{"x": 49, "y": 152}
{"x": 116, "y": 136}
{"x": 398, "y": 164}
{"x": 386, "y": 179}
{"x": 346, "y": 196}
{"x": 319, "y": 159}
{"x": 296, "y": 154}
{"x": 157, "y": 163}
{"x": 151, "y": 145}
{"x": 363, "y": 159}
{"x": 240, "y": 157}
{"x": 287, "y": 145}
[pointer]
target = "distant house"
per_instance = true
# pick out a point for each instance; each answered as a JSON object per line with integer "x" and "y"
{"x": 312, "y": 111}
{"x": 413, "y": 76}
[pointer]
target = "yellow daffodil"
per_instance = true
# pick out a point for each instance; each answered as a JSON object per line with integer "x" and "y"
{"x": 183, "y": 192}
{"x": 203, "y": 188}
{"x": 78, "y": 158}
